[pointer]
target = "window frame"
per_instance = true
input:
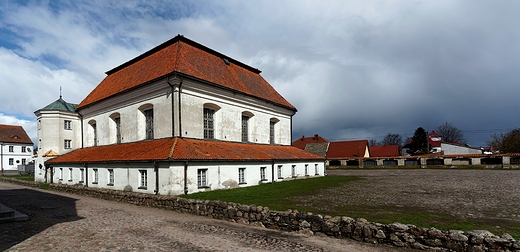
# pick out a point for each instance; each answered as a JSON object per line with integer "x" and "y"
{"x": 110, "y": 177}
{"x": 143, "y": 179}
{"x": 24, "y": 149}
{"x": 262, "y": 173}
{"x": 293, "y": 171}
{"x": 11, "y": 148}
{"x": 11, "y": 161}
{"x": 209, "y": 123}
{"x": 202, "y": 178}
{"x": 279, "y": 171}
{"x": 70, "y": 174}
{"x": 67, "y": 125}
{"x": 242, "y": 176}
{"x": 67, "y": 144}
{"x": 61, "y": 174}
{"x": 95, "y": 176}
{"x": 81, "y": 175}
{"x": 149, "y": 123}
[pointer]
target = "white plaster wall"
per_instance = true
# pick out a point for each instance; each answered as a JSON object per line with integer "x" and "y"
{"x": 450, "y": 149}
{"x": 132, "y": 118}
{"x": 228, "y": 119}
{"x": 17, "y": 155}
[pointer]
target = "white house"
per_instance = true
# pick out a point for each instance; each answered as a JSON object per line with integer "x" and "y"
{"x": 15, "y": 147}
{"x": 182, "y": 118}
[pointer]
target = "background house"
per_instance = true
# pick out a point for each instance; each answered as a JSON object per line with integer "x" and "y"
{"x": 16, "y": 148}
{"x": 183, "y": 118}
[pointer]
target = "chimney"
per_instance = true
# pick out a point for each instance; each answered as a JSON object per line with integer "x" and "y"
{"x": 315, "y": 136}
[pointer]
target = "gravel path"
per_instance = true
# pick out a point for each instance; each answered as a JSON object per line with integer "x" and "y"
{"x": 63, "y": 222}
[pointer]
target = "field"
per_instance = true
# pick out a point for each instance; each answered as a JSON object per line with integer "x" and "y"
{"x": 462, "y": 199}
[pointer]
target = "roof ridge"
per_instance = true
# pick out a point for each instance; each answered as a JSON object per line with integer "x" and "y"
{"x": 173, "y": 147}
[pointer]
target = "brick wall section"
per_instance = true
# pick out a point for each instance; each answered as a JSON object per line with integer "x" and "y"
{"x": 395, "y": 234}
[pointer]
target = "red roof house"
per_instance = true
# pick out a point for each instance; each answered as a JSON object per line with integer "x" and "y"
{"x": 384, "y": 151}
{"x": 303, "y": 141}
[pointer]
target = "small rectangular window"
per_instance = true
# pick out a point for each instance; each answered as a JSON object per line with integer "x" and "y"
{"x": 316, "y": 169}
{"x": 143, "y": 179}
{"x": 280, "y": 172}
{"x": 61, "y": 173}
{"x": 67, "y": 144}
{"x": 68, "y": 124}
{"x": 262, "y": 174}
{"x": 70, "y": 174}
{"x": 110, "y": 177}
{"x": 95, "y": 176}
{"x": 24, "y": 149}
{"x": 306, "y": 170}
{"x": 241, "y": 175}
{"x": 11, "y": 148}
{"x": 202, "y": 178}
{"x": 11, "y": 161}
{"x": 81, "y": 175}
{"x": 293, "y": 171}
{"x": 23, "y": 161}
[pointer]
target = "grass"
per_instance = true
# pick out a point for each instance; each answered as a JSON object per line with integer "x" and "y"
{"x": 22, "y": 177}
{"x": 306, "y": 195}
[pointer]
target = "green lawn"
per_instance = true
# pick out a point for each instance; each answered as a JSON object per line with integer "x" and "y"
{"x": 306, "y": 195}
{"x": 22, "y": 177}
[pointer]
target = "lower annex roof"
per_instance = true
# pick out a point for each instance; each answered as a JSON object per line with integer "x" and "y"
{"x": 183, "y": 149}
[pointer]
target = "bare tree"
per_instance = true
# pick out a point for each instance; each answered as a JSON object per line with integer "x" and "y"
{"x": 392, "y": 139}
{"x": 506, "y": 142}
{"x": 373, "y": 142}
{"x": 450, "y": 133}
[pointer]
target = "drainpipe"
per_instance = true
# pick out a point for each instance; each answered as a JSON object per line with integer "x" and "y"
{"x": 180, "y": 110}
{"x": 156, "y": 169}
{"x": 272, "y": 171}
{"x": 173, "y": 109}
{"x": 86, "y": 174}
{"x": 46, "y": 168}
{"x": 186, "y": 177}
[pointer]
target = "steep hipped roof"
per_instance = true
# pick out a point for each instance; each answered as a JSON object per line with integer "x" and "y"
{"x": 59, "y": 105}
{"x": 171, "y": 149}
{"x": 347, "y": 149}
{"x": 187, "y": 58}
{"x": 303, "y": 141}
{"x": 13, "y": 134}
{"x": 384, "y": 151}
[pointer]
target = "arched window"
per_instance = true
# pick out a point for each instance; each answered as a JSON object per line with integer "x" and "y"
{"x": 272, "y": 130}
{"x": 116, "y": 118}
{"x": 246, "y": 115}
{"x": 147, "y": 111}
{"x": 209, "y": 120}
{"x": 93, "y": 125}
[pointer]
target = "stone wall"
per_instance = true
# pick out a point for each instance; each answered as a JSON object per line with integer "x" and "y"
{"x": 395, "y": 234}
{"x": 20, "y": 182}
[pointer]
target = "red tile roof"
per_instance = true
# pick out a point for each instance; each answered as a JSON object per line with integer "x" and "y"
{"x": 171, "y": 149}
{"x": 14, "y": 134}
{"x": 185, "y": 57}
{"x": 303, "y": 141}
{"x": 384, "y": 151}
{"x": 347, "y": 149}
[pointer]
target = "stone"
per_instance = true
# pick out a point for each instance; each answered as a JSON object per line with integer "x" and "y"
{"x": 436, "y": 234}
{"x": 398, "y": 227}
{"x": 306, "y": 232}
{"x": 305, "y": 224}
{"x": 457, "y": 235}
{"x": 380, "y": 234}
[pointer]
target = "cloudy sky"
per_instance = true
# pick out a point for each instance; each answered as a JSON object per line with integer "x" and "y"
{"x": 354, "y": 69}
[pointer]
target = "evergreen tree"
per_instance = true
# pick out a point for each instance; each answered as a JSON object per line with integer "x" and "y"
{"x": 419, "y": 144}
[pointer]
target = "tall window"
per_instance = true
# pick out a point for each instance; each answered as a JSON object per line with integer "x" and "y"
{"x": 148, "y": 115}
{"x": 24, "y": 149}
{"x": 306, "y": 170}
{"x": 271, "y": 132}
{"x": 11, "y": 161}
{"x": 280, "y": 172}
{"x": 262, "y": 174}
{"x": 67, "y": 144}
{"x": 70, "y": 174}
{"x": 209, "y": 123}
{"x": 241, "y": 175}
{"x": 81, "y": 175}
{"x": 23, "y": 161}
{"x": 143, "y": 179}
{"x": 96, "y": 176}
{"x": 316, "y": 169}
{"x": 202, "y": 177}
{"x": 245, "y": 128}
{"x": 117, "y": 121}
{"x": 61, "y": 173}
{"x": 94, "y": 127}
{"x": 11, "y": 148}
{"x": 293, "y": 171}
{"x": 67, "y": 124}
{"x": 110, "y": 176}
